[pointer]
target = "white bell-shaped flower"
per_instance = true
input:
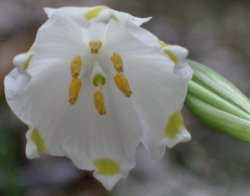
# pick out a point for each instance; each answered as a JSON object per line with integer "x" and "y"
{"x": 95, "y": 93}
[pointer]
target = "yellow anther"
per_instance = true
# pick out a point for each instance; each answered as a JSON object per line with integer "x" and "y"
{"x": 117, "y": 61}
{"x": 75, "y": 66}
{"x": 74, "y": 90}
{"x": 95, "y": 46}
{"x": 122, "y": 83}
{"x": 99, "y": 102}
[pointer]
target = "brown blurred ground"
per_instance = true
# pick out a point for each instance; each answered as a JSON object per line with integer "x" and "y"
{"x": 217, "y": 33}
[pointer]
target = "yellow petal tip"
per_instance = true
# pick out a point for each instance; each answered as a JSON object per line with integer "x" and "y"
{"x": 93, "y": 13}
{"x": 175, "y": 124}
{"x": 38, "y": 140}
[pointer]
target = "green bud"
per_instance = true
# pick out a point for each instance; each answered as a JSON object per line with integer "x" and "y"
{"x": 218, "y": 103}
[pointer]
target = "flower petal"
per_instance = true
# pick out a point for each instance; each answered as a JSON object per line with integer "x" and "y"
{"x": 61, "y": 39}
{"x": 75, "y": 13}
{"x": 175, "y": 131}
{"x": 85, "y": 15}
{"x": 22, "y": 61}
{"x": 153, "y": 80}
{"x": 31, "y": 148}
{"x": 125, "y": 40}
{"x": 146, "y": 37}
{"x": 181, "y": 66}
{"x": 21, "y": 79}
{"x": 111, "y": 140}
{"x": 27, "y": 101}
{"x": 175, "y": 53}
{"x": 125, "y": 17}
{"x": 158, "y": 93}
{"x": 78, "y": 131}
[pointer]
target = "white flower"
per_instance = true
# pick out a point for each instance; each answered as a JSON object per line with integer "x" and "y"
{"x": 94, "y": 93}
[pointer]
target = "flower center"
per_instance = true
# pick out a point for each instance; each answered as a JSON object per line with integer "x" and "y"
{"x": 98, "y": 77}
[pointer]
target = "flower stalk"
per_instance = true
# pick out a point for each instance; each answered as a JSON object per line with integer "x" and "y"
{"x": 218, "y": 103}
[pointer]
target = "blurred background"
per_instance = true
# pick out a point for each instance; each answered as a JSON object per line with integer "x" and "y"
{"x": 217, "y": 33}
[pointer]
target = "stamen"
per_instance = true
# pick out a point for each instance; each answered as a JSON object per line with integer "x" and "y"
{"x": 99, "y": 102}
{"x": 95, "y": 46}
{"x": 74, "y": 90}
{"x": 75, "y": 66}
{"x": 122, "y": 83}
{"x": 117, "y": 61}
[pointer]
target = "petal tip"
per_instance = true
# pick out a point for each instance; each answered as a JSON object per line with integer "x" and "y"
{"x": 182, "y": 136}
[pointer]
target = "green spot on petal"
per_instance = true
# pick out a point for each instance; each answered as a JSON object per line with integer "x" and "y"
{"x": 38, "y": 140}
{"x": 94, "y": 12}
{"x": 27, "y": 63}
{"x": 107, "y": 166}
{"x": 171, "y": 55}
{"x": 175, "y": 124}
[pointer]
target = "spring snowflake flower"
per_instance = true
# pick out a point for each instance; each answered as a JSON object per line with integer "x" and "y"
{"x": 94, "y": 92}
